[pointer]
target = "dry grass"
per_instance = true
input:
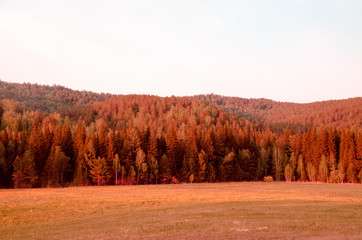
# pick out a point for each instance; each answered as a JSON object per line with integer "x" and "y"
{"x": 184, "y": 211}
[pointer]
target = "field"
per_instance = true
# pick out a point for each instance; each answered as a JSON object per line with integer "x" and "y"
{"x": 184, "y": 211}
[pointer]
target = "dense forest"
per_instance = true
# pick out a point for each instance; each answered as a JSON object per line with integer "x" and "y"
{"x": 54, "y": 136}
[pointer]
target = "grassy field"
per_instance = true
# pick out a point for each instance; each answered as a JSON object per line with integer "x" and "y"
{"x": 184, "y": 211}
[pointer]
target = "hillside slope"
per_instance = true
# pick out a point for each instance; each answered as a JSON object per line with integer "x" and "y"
{"x": 278, "y": 115}
{"x": 332, "y": 113}
{"x": 142, "y": 139}
{"x": 47, "y": 98}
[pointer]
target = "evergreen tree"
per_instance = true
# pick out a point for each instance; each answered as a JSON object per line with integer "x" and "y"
{"x": 311, "y": 171}
{"x": 164, "y": 166}
{"x": 202, "y": 166}
{"x": 277, "y": 161}
{"x": 288, "y": 173}
{"x": 359, "y": 176}
{"x": 56, "y": 167}
{"x": 99, "y": 170}
{"x": 116, "y": 168}
{"x": 351, "y": 173}
{"x": 153, "y": 168}
{"x": 341, "y": 172}
{"x": 140, "y": 159}
{"x": 24, "y": 175}
{"x": 333, "y": 176}
{"x": 323, "y": 170}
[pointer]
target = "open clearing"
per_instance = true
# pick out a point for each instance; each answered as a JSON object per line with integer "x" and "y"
{"x": 184, "y": 211}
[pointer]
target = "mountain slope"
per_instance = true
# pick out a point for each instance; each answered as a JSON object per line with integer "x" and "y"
{"x": 278, "y": 115}
{"x": 332, "y": 113}
{"x": 47, "y": 98}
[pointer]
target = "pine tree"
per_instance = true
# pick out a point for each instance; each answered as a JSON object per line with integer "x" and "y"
{"x": 140, "y": 159}
{"x": 56, "y": 167}
{"x": 24, "y": 175}
{"x": 152, "y": 146}
{"x": 263, "y": 162}
{"x": 79, "y": 137}
{"x": 99, "y": 170}
{"x": 202, "y": 166}
{"x": 144, "y": 172}
{"x": 301, "y": 169}
{"x": 132, "y": 174}
{"x": 288, "y": 173}
{"x": 116, "y": 167}
{"x": 311, "y": 171}
{"x": 360, "y": 176}
{"x": 323, "y": 170}
{"x": 341, "y": 172}
{"x": 172, "y": 145}
{"x": 4, "y": 168}
{"x": 333, "y": 176}
{"x": 153, "y": 163}
{"x": 81, "y": 168}
{"x": 293, "y": 164}
{"x": 351, "y": 173}
{"x": 277, "y": 161}
{"x": 227, "y": 166}
{"x": 211, "y": 176}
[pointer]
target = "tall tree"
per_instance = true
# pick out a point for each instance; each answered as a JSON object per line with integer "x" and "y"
{"x": 99, "y": 170}
{"x": 24, "y": 175}
{"x": 140, "y": 159}
{"x": 277, "y": 161}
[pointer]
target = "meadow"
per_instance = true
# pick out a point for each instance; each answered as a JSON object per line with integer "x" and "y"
{"x": 254, "y": 210}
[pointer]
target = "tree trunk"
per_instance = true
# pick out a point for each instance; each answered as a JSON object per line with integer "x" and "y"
{"x": 116, "y": 173}
{"x": 138, "y": 176}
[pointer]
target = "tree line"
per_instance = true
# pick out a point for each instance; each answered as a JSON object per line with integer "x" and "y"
{"x": 139, "y": 139}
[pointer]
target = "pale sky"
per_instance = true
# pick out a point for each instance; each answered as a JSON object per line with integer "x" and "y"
{"x": 292, "y": 50}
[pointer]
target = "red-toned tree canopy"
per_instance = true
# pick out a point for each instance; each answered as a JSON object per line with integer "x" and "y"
{"x": 53, "y": 136}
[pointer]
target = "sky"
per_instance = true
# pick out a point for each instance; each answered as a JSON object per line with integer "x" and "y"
{"x": 292, "y": 50}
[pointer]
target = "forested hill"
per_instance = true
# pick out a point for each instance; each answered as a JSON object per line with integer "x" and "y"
{"x": 277, "y": 115}
{"x": 53, "y": 136}
{"x": 332, "y": 113}
{"x": 47, "y": 98}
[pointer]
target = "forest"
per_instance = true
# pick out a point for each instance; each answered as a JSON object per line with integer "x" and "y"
{"x": 51, "y": 136}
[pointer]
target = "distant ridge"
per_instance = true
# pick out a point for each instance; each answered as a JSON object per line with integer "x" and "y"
{"x": 278, "y": 115}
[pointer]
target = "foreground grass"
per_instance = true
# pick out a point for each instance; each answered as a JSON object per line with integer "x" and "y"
{"x": 184, "y": 211}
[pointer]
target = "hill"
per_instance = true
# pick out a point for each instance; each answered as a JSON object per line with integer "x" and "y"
{"x": 47, "y": 98}
{"x": 332, "y": 113}
{"x": 82, "y": 138}
{"x": 277, "y": 115}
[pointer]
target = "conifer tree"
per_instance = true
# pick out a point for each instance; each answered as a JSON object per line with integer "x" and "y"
{"x": 153, "y": 163}
{"x": 333, "y": 176}
{"x": 288, "y": 173}
{"x": 341, "y": 172}
{"x": 227, "y": 166}
{"x": 4, "y": 168}
{"x": 172, "y": 144}
{"x": 56, "y": 167}
{"x": 323, "y": 170}
{"x": 99, "y": 170}
{"x": 351, "y": 173}
{"x": 202, "y": 166}
{"x": 277, "y": 161}
{"x": 24, "y": 175}
{"x": 116, "y": 167}
{"x": 132, "y": 174}
{"x": 359, "y": 176}
{"x": 211, "y": 176}
{"x": 140, "y": 159}
{"x": 311, "y": 171}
